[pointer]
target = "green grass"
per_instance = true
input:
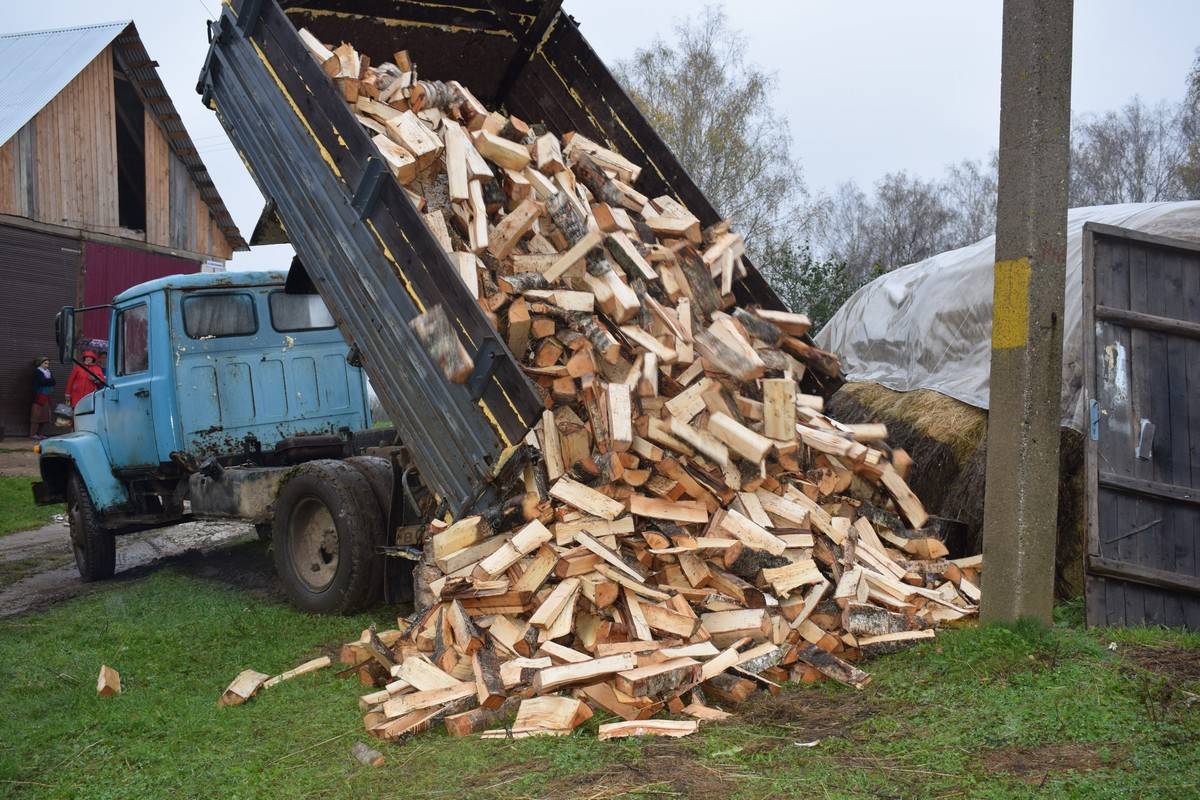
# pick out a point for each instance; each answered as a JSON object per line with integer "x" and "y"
{"x": 961, "y": 716}
{"x": 17, "y": 511}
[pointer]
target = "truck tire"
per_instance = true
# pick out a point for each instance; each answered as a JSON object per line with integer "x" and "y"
{"x": 324, "y": 534}
{"x": 378, "y": 472}
{"x": 95, "y": 548}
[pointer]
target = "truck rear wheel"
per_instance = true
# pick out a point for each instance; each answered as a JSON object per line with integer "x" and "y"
{"x": 378, "y": 472}
{"x": 327, "y": 524}
{"x": 95, "y": 548}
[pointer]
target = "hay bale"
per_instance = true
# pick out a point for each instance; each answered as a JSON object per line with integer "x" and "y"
{"x": 940, "y": 433}
{"x": 947, "y": 440}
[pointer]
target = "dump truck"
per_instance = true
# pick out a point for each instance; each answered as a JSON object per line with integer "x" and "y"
{"x": 363, "y": 247}
{"x": 226, "y": 397}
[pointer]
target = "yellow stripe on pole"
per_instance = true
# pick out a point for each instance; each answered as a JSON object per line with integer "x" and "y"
{"x": 1010, "y": 304}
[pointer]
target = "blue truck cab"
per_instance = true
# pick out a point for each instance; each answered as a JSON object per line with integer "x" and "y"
{"x": 221, "y": 390}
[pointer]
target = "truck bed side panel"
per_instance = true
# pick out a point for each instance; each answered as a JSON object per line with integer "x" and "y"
{"x": 377, "y": 268}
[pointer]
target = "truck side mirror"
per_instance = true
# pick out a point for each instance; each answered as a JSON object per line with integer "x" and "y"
{"x": 64, "y": 334}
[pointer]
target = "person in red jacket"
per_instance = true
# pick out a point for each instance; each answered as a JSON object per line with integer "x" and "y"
{"x": 84, "y": 379}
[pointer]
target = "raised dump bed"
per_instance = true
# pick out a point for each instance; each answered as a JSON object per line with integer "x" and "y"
{"x": 359, "y": 238}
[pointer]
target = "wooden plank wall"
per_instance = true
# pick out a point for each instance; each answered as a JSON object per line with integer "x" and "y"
{"x": 176, "y": 214}
{"x": 217, "y": 237}
{"x": 61, "y": 169}
{"x": 158, "y": 187}
{"x": 179, "y": 201}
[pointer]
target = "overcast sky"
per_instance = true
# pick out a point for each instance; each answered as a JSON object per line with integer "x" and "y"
{"x": 868, "y": 87}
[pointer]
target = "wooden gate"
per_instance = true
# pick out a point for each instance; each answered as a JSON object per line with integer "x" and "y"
{"x": 1141, "y": 343}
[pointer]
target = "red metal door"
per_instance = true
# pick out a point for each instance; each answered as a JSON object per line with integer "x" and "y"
{"x": 109, "y": 270}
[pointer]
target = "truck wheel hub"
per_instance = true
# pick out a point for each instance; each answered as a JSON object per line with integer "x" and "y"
{"x": 313, "y": 544}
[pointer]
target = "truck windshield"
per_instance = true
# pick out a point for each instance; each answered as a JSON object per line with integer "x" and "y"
{"x": 299, "y": 312}
{"x": 212, "y": 315}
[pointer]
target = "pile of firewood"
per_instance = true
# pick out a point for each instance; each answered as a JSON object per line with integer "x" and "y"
{"x": 695, "y": 529}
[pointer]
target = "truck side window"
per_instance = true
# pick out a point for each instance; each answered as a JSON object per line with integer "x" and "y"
{"x": 133, "y": 352}
{"x": 299, "y": 312}
{"x": 213, "y": 315}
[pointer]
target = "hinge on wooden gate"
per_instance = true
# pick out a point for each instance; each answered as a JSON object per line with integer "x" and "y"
{"x": 1094, "y": 420}
{"x": 486, "y": 360}
{"x": 366, "y": 193}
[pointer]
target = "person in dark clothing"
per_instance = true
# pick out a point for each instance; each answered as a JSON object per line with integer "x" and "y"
{"x": 43, "y": 389}
{"x": 84, "y": 379}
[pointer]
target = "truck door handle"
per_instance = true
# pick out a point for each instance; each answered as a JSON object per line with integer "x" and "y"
{"x": 142, "y": 393}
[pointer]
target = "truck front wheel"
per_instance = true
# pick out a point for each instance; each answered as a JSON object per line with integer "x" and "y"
{"x": 95, "y": 548}
{"x": 326, "y": 526}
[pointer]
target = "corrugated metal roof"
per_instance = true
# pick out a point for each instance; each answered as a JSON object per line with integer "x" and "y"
{"x": 42, "y": 63}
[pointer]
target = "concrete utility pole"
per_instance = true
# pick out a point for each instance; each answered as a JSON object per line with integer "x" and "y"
{"x": 1021, "y": 501}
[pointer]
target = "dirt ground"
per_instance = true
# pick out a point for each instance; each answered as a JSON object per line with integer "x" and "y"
{"x": 664, "y": 770}
{"x": 1178, "y": 665}
{"x": 17, "y": 458}
{"x": 1037, "y": 764}
{"x": 672, "y": 769}
{"x": 37, "y": 567}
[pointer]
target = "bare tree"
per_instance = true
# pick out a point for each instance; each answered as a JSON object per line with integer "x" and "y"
{"x": 1137, "y": 154}
{"x": 1128, "y": 156}
{"x": 907, "y": 219}
{"x": 715, "y": 112}
{"x": 845, "y": 228}
{"x": 914, "y": 219}
{"x": 1189, "y": 127}
{"x": 970, "y": 191}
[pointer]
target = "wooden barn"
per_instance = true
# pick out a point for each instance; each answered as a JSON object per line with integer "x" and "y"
{"x": 101, "y": 188}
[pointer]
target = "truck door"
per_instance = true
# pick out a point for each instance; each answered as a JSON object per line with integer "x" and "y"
{"x": 128, "y": 413}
